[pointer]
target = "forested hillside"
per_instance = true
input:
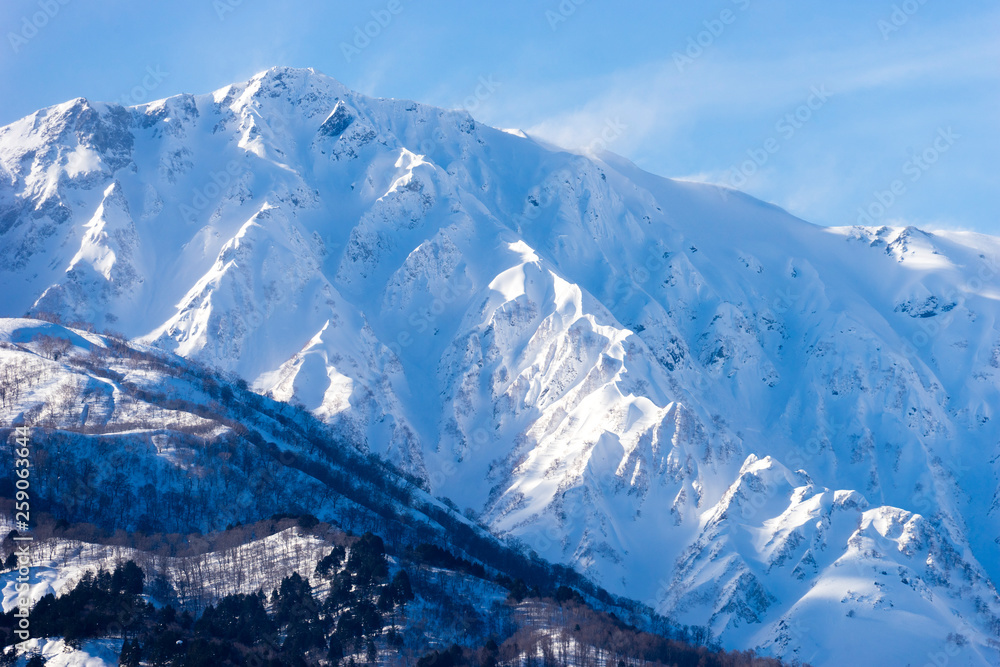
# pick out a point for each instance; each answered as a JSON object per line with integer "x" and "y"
{"x": 182, "y": 519}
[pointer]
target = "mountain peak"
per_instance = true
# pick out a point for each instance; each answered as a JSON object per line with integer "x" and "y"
{"x": 635, "y": 376}
{"x": 295, "y": 83}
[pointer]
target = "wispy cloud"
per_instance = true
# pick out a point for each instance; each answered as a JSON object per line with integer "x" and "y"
{"x": 888, "y": 98}
{"x": 656, "y": 100}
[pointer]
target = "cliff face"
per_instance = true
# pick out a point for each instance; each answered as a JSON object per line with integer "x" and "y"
{"x": 749, "y": 421}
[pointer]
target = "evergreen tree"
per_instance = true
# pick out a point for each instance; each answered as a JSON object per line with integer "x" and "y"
{"x": 131, "y": 654}
{"x": 128, "y": 579}
{"x": 239, "y": 618}
{"x": 295, "y": 601}
{"x": 336, "y": 652}
{"x": 518, "y": 590}
{"x": 330, "y": 563}
{"x": 398, "y": 591}
{"x": 367, "y": 560}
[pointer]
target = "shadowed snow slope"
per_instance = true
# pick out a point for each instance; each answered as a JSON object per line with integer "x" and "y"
{"x": 782, "y": 431}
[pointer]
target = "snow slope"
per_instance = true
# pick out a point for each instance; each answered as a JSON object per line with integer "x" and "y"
{"x": 779, "y": 430}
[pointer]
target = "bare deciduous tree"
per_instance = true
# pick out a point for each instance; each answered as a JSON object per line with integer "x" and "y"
{"x": 52, "y": 347}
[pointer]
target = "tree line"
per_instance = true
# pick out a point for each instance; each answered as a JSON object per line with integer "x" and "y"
{"x": 360, "y": 617}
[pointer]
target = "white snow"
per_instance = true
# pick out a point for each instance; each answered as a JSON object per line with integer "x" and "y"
{"x": 750, "y": 421}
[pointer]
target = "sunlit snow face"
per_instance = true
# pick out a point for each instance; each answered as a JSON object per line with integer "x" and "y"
{"x": 633, "y": 375}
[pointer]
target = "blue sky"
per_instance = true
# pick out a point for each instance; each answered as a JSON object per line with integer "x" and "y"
{"x": 819, "y": 107}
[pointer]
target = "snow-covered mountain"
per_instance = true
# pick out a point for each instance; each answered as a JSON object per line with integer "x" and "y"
{"x": 140, "y": 455}
{"x": 781, "y": 431}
